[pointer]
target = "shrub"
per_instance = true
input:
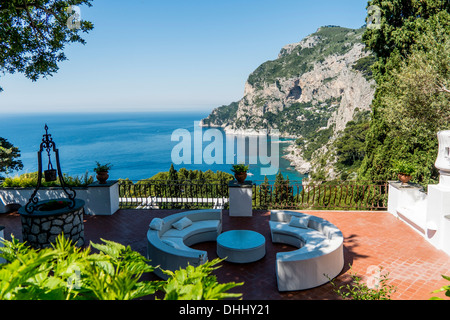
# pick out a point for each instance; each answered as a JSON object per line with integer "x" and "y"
{"x": 65, "y": 272}
{"x": 403, "y": 166}
{"x": 102, "y": 167}
{"x": 197, "y": 283}
{"x": 237, "y": 168}
{"x": 29, "y": 180}
{"x": 444, "y": 288}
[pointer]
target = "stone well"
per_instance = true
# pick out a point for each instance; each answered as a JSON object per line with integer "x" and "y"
{"x": 41, "y": 228}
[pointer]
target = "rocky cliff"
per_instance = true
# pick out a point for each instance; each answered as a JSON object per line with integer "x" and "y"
{"x": 310, "y": 93}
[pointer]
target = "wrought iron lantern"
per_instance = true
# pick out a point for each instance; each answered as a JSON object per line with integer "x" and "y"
{"x": 50, "y": 174}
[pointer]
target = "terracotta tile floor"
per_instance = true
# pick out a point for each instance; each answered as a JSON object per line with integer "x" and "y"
{"x": 371, "y": 239}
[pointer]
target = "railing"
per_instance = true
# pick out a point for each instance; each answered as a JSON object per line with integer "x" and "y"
{"x": 159, "y": 194}
{"x": 342, "y": 195}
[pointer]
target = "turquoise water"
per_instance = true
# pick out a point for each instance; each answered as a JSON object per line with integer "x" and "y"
{"x": 138, "y": 145}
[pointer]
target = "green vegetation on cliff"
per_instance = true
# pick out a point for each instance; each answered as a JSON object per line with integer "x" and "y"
{"x": 350, "y": 145}
{"x": 222, "y": 114}
{"x": 364, "y": 65}
{"x": 330, "y": 41}
{"x": 302, "y": 119}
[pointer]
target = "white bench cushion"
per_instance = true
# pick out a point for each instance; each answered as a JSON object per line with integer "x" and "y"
{"x": 307, "y": 234}
{"x": 157, "y": 224}
{"x": 299, "y": 222}
{"x": 195, "y": 227}
{"x": 182, "y": 223}
{"x": 178, "y": 244}
{"x": 312, "y": 241}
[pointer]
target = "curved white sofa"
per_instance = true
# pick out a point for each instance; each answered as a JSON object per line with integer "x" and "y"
{"x": 168, "y": 247}
{"x": 319, "y": 256}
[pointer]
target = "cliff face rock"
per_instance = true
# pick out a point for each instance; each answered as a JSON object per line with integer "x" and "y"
{"x": 313, "y": 87}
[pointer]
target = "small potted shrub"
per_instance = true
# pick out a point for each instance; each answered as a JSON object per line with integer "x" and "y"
{"x": 240, "y": 172}
{"x": 404, "y": 170}
{"x": 102, "y": 172}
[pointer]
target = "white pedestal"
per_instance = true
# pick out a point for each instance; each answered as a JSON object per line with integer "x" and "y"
{"x": 240, "y": 199}
{"x": 103, "y": 198}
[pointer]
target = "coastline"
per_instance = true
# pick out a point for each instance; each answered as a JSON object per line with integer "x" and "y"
{"x": 290, "y": 153}
{"x": 293, "y": 155}
{"x": 247, "y": 132}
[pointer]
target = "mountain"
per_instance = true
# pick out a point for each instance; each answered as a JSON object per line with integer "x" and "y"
{"x": 310, "y": 93}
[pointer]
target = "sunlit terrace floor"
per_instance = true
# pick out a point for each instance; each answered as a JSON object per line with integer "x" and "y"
{"x": 371, "y": 239}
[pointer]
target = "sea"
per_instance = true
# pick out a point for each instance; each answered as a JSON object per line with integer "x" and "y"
{"x": 138, "y": 145}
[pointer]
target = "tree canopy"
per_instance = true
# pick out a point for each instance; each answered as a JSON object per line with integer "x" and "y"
{"x": 350, "y": 145}
{"x": 8, "y": 157}
{"x": 411, "y": 103}
{"x": 34, "y": 33}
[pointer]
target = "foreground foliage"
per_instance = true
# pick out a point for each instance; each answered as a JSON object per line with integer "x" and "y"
{"x": 445, "y": 289}
{"x": 65, "y": 272}
{"x": 197, "y": 284}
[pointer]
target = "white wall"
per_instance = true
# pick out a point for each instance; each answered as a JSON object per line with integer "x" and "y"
{"x": 427, "y": 213}
{"x": 99, "y": 199}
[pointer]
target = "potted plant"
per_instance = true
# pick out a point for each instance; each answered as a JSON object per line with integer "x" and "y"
{"x": 102, "y": 172}
{"x": 240, "y": 172}
{"x": 404, "y": 170}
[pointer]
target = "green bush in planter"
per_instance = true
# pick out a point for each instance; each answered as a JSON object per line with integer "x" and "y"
{"x": 237, "y": 168}
{"x": 404, "y": 167}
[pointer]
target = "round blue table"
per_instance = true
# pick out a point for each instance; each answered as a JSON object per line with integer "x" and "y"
{"x": 241, "y": 246}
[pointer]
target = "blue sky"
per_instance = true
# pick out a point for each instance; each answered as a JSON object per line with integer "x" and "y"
{"x": 146, "y": 55}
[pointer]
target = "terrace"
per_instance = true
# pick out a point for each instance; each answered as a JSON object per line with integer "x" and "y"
{"x": 372, "y": 238}
{"x": 378, "y": 222}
